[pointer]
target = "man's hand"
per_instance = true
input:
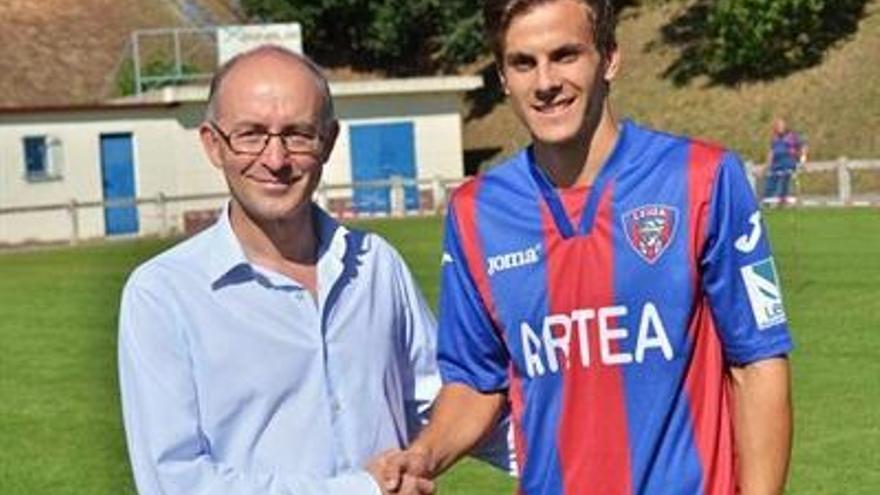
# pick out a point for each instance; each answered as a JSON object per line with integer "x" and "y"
{"x": 408, "y": 469}
{"x": 402, "y": 473}
{"x": 462, "y": 417}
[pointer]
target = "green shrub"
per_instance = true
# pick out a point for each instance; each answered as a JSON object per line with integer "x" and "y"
{"x": 400, "y": 36}
{"x": 732, "y": 40}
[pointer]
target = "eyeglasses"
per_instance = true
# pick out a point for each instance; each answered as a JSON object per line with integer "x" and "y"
{"x": 254, "y": 141}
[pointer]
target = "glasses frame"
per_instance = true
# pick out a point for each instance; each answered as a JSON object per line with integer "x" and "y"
{"x": 267, "y": 136}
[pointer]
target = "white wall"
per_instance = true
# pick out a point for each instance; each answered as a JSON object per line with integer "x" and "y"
{"x": 168, "y": 158}
{"x": 436, "y": 127}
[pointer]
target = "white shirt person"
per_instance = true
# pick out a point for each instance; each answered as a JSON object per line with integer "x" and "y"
{"x": 278, "y": 352}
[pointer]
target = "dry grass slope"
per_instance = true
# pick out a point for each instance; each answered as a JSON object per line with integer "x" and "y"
{"x": 836, "y": 104}
{"x": 58, "y": 52}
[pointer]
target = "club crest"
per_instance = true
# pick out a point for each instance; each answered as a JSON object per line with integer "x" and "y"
{"x": 650, "y": 229}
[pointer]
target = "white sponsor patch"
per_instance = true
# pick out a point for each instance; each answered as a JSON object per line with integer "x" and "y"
{"x": 762, "y": 285}
{"x": 621, "y": 338}
{"x": 447, "y": 258}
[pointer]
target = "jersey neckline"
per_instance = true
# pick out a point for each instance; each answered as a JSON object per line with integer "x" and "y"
{"x": 596, "y": 190}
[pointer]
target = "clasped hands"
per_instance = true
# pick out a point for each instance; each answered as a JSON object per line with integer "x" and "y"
{"x": 403, "y": 472}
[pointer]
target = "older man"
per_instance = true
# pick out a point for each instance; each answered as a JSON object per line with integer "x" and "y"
{"x": 278, "y": 351}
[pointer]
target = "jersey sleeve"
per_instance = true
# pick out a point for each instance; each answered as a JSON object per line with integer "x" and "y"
{"x": 469, "y": 349}
{"x": 739, "y": 273}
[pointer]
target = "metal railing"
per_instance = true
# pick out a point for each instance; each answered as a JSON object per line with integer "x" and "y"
{"x": 182, "y": 60}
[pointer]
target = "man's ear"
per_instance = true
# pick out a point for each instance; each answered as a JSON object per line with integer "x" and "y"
{"x": 612, "y": 64}
{"x": 501, "y": 79}
{"x": 331, "y": 132}
{"x": 211, "y": 144}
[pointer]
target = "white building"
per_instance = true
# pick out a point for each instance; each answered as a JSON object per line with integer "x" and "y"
{"x": 72, "y": 159}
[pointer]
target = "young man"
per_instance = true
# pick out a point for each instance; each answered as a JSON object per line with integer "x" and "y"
{"x": 615, "y": 284}
{"x": 277, "y": 352}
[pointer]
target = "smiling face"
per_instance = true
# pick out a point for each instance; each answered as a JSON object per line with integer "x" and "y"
{"x": 275, "y": 93}
{"x": 553, "y": 71}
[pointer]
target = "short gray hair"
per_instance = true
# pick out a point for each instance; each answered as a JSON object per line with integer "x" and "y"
{"x": 328, "y": 112}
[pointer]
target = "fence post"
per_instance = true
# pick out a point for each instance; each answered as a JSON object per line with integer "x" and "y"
{"x": 844, "y": 181}
{"x": 439, "y": 194}
{"x": 162, "y": 206}
{"x": 752, "y": 176}
{"x": 398, "y": 198}
{"x": 73, "y": 211}
{"x": 323, "y": 198}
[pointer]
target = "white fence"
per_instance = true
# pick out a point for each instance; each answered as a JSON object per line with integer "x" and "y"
{"x": 169, "y": 214}
{"x": 844, "y": 193}
{"x": 172, "y": 214}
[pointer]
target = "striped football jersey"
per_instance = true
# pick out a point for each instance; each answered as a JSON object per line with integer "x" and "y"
{"x": 612, "y": 332}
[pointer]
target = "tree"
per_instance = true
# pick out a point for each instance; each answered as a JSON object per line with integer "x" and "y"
{"x": 734, "y": 40}
{"x": 400, "y": 36}
{"x": 460, "y": 38}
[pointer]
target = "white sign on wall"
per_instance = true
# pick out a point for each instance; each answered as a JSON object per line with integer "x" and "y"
{"x": 232, "y": 40}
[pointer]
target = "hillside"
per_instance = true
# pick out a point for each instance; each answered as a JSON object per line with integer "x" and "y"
{"x": 58, "y": 52}
{"x": 836, "y": 104}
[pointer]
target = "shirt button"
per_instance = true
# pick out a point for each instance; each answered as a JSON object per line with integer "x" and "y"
{"x": 336, "y": 406}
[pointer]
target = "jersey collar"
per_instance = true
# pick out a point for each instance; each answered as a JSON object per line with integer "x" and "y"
{"x": 607, "y": 172}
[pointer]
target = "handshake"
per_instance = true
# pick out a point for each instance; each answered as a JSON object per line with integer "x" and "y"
{"x": 404, "y": 472}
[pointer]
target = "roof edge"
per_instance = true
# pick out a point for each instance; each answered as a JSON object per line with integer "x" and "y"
{"x": 339, "y": 89}
{"x": 172, "y": 96}
{"x": 87, "y": 107}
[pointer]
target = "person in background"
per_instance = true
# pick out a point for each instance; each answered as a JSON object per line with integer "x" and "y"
{"x": 787, "y": 151}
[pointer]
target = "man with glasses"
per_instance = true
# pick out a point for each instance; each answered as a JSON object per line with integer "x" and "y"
{"x": 277, "y": 352}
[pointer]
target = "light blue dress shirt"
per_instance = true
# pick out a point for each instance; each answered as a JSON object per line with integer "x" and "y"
{"x": 235, "y": 381}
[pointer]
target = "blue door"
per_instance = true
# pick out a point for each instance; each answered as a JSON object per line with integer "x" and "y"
{"x": 379, "y": 152}
{"x": 117, "y": 172}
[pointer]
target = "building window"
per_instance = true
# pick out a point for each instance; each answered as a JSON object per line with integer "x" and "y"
{"x": 43, "y": 158}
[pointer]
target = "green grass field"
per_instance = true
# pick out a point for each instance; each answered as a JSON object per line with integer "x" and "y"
{"x": 60, "y": 427}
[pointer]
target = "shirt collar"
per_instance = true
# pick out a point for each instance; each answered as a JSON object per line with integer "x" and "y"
{"x": 226, "y": 252}
{"x": 331, "y": 234}
{"x": 227, "y": 256}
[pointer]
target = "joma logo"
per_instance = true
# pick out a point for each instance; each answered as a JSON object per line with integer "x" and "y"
{"x": 515, "y": 259}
